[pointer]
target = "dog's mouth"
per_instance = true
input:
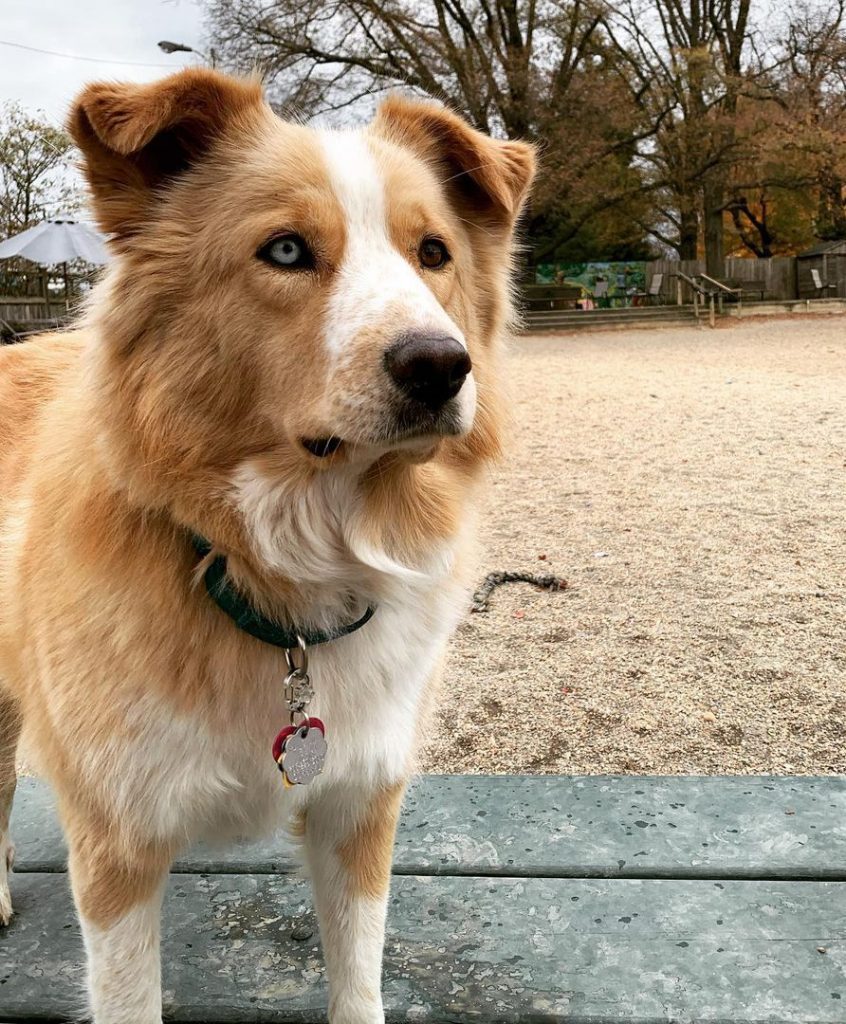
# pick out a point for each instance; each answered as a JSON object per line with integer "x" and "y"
{"x": 414, "y": 423}
{"x": 408, "y": 428}
{"x": 321, "y": 447}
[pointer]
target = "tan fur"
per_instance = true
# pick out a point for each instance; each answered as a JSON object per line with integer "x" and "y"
{"x": 133, "y": 136}
{"x": 196, "y": 366}
{"x": 109, "y": 880}
{"x": 367, "y": 853}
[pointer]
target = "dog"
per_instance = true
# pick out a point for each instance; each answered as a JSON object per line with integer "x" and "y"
{"x": 276, "y": 409}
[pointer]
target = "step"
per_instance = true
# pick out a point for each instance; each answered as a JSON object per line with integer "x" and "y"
{"x": 633, "y": 325}
{"x": 565, "y": 827}
{"x": 600, "y": 321}
{"x": 613, "y": 311}
{"x": 610, "y": 314}
{"x": 463, "y": 950}
{"x": 517, "y": 900}
{"x": 608, "y": 318}
{"x": 646, "y": 313}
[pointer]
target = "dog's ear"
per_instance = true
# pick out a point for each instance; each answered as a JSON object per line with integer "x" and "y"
{"x": 137, "y": 138}
{"x": 490, "y": 176}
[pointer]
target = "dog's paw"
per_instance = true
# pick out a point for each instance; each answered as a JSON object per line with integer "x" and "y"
{"x": 7, "y": 859}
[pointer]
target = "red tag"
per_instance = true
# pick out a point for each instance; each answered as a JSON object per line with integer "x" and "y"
{"x": 289, "y": 730}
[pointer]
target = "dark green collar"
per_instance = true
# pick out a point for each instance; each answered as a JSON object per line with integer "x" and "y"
{"x": 245, "y": 617}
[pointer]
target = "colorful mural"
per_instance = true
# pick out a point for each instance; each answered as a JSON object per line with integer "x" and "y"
{"x": 617, "y": 281}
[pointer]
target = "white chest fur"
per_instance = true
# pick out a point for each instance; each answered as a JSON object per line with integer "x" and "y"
{"x": 187, "y": 776}
{"x": 202, "y": 773}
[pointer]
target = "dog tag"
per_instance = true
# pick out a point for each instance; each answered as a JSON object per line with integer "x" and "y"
{"x": 303, "y": 753}
{"x": 289, "y": 730}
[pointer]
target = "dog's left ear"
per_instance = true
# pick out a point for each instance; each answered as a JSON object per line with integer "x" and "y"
{"x": 135, "y": 139}
{"x": 489, "y": 176}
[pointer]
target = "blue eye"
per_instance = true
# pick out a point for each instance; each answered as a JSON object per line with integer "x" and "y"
{"x": 289, "y": 252}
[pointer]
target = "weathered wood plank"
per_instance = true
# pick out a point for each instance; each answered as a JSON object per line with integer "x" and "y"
{"x": 636, "y": 827}
{"x": 471, "y": 950}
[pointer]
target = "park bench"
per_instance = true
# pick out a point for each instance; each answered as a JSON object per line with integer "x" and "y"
{"x": 515, "y": 899}
{"x": 540, "y": 298}
{"x": 758, "y": 288}
{"x": 734, "y": 288}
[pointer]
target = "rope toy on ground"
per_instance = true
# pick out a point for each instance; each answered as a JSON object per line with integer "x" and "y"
{"x": 481, "y": 599}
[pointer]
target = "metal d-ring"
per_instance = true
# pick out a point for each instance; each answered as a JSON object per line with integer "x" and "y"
{"x": 298, "y": 691}
{"x": 297, "y": 671}
{"x": 304, "y": 719}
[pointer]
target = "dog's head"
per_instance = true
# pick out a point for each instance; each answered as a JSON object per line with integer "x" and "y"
{"x": 310, "y": 297}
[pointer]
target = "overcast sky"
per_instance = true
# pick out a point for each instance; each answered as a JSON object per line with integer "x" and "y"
{"x": 118, "y": 32}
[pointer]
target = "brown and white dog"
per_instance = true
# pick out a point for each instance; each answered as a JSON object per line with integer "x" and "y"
{"x": 295, "y": 354}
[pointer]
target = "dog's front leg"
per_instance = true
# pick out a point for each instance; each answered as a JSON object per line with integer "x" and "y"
{"x": 10, "y": 729}
{"x": 349, "y": 839}
{"x": 117, "y": 887}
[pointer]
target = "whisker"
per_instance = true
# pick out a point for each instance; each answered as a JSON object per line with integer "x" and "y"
{"x": 468, "y": 170}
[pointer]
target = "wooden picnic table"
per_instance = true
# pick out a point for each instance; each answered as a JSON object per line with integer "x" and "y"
{"x": 536, "y": 899}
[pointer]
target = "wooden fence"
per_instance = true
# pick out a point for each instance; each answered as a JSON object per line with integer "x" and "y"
{"x": 778, "y": 275}
{"x": 19, "y": 314}
{"x": 669, "y": 269}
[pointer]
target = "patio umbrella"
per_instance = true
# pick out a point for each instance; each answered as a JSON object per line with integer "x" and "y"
{"x": 60, "y": 240}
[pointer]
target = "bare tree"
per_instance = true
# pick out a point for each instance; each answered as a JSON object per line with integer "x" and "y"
{"x": 684, "y": 60}
{"x": 520, "y": 68}
{"x": 675, "y": 119}
{"x": 34, "y": 169}
{"x": 811, "y": 94}
{"x": 500, "y": 61}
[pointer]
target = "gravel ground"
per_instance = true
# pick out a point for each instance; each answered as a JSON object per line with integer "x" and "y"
{"x": 689, "y": 485}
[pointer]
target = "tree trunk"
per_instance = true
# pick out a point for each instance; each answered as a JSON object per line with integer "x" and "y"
{"x": 831, "y": 215}
{"x": 713, "y": 204}
{"x": 688, "y": 235}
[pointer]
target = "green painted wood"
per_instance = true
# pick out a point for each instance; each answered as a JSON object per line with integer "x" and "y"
{"x": 471, "y": 950}
{"x": 589, "y": 826}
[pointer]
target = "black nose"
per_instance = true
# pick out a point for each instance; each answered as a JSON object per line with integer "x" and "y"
{"x": 428, "y": 367}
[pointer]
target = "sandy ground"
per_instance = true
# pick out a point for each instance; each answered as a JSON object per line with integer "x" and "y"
{"x": 690, "y": 486}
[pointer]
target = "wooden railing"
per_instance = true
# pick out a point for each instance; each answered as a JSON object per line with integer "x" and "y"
{"x": 723, "y": 289}
{"x": 700, "y": 295}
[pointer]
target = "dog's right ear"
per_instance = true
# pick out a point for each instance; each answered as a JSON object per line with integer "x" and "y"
{"x": 137, "y": 138}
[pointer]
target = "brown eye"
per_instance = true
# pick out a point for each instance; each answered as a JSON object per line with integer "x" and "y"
{"x": 433, "y": 254}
